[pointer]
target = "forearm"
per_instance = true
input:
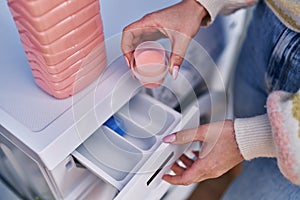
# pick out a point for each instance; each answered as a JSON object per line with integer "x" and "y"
{"x": 275, "y": 134}
{"x": 214, "y": 7}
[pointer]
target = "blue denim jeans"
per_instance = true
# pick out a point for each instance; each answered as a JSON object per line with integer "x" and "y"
{"x": 269, "y": 60}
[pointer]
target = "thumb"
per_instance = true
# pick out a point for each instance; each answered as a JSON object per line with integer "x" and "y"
{"x": 129, "y": 59}
{"x": 179, "y": 47}
{"x": 186, "y": 136}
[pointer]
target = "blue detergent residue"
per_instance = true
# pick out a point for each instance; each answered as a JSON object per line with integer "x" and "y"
{"x": 116, "y": 125}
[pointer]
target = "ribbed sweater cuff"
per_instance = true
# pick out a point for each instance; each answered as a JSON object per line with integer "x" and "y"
{"x": 254, "y": 137}
{"x": 213, "y": 8}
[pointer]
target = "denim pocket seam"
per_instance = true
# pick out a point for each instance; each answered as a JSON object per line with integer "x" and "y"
{"x": 282, "y": 54}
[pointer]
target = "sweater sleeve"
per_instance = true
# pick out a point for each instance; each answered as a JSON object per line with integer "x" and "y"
{"x": 275, "y": 134}
{"x": 214, "y": 7}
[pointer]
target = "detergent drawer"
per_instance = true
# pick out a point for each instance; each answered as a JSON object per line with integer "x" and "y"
{"x": 138, "y": 158}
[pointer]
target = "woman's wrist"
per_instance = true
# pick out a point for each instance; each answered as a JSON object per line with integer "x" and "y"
{"x": 202, "y": 12}
{"x": 254, "y": 137}
{"x": 197, "y": 9}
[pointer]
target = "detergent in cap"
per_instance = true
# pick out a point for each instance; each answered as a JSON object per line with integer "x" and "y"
{"x": 150, "y": 64}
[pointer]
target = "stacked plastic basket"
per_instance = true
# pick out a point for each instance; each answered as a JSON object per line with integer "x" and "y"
{"x": 63, "y": 41}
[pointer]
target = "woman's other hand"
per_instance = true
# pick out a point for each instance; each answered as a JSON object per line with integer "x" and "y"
{"x": 223, "y": 153}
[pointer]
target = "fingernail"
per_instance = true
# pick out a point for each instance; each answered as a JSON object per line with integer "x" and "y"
{"x": 170, "y": 138}
{"x": 175, "y": 72}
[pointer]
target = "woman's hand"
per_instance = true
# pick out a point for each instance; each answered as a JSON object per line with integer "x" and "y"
{"x": 179, "y": 23}
{"x": 223, "y": 153}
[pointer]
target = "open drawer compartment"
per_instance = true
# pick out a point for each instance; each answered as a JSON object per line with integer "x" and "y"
{"x": 145, "y": 121}
{"x": 115, "y": 158}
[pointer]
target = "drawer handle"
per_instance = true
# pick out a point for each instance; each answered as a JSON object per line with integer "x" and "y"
{"x": 160, "y": 168}
{"x": 77, "y": 163}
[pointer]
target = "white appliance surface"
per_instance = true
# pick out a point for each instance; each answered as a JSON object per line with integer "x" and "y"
{"x": 43, "y": 123}
{"x": 49, "y": 130}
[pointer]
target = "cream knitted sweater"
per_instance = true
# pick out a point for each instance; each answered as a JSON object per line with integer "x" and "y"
{"x": 288, "y": 11}
{"x": 277, "y": 133}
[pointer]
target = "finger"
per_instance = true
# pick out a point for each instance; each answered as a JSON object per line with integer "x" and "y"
{"x": 196, "y": 173}
{"x": 127, "y": 49}
{"x": 186, "y": 136}
{"x": 177, "y": 179}
{"x": 174, "y": 67}
{"x": 142, "y": 30}
{"x": 130, "y": 40}
{"x": 132, "y": 37}
{"x": 186, "y": 160}
{"x": 180, "y": 44}
{"x": 177, "y": 169}
{"x": 128, "y": 58}
{"x": 173, "y": 179}
{"x": 196, "y": 153}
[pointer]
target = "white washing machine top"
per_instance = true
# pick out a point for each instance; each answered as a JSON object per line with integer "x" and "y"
{"x": 49, "y": 129}
{"x": 53, "y": 128}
